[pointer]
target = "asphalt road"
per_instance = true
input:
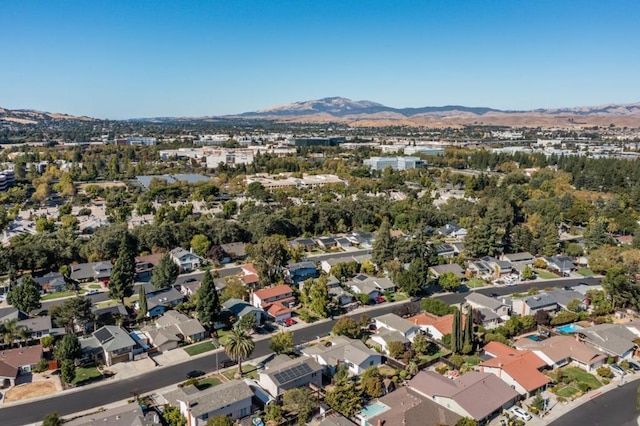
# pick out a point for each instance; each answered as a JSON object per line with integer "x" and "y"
{"x": 69, "y": 403}
{"x": 617, "y": 407}
{"x": 519, "y": 288}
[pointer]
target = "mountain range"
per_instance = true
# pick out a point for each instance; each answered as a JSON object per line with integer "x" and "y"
{"x": 367, "y": 113}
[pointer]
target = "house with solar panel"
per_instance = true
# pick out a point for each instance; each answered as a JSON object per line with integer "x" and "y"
{"x": 108, "y": 345}
{"x": 282, "y": 373}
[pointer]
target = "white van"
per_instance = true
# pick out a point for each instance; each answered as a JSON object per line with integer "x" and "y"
{"x": 520, "y": 413}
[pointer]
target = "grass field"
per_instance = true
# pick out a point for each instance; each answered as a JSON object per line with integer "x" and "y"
{"x": 208, "y": 382}
{"x": 58, "y": 295}
{"x": 582, "y": 376}
{"x": 248, "y": 370}
{"x": 567, "y": 392}
{"x": 86, "y": 375}
{"x": 200, "y": 348}
{"x": 475, "y": 283}
{"x": 585, "y": 272}
{"x": 95, "y": 286}
{"x": 544, "y": 275}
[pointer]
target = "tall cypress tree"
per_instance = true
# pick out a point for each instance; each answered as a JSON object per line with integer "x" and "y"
{"x": 124, "y": 271}
{"x": 142, "y": 303}
{"x": 455, "y": 333}
{"x": 165, "y": 272}
{"x": 468, "y": 332}
{"x": 208, "y": 301}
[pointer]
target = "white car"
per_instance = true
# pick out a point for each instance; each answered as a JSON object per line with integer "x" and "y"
{"x": 520, "y": 413}
{"x": 617, "y": 369}
{"x": 90, "y": 292}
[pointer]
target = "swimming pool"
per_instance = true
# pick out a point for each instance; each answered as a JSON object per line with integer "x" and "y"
{"x": 373, "y": 410}
{"x": 569, "y": 328}
{"x": 534, "y": 338}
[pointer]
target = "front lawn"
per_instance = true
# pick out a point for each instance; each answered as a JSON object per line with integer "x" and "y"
{"x": 476, "y": 283}
{"x": 248, "y": 370}
{"x": 585, "y": 272}
{"x": 86, "y": 375}
{"x": 107, "y": 303}
{"x": 95, "y": 286}
{"x": 208, "y": 382}
{"x": 472, "y": 360}
{"x": 582, "y": 376}
{"x": 200, "y": 348}
{"x": 59, "y": 294}
{"x": 567, "y": 392}
{"x": 545, "y": 275}
{"x": 398, "y": 297}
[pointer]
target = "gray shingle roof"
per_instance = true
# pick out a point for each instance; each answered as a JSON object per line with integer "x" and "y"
{"x": 342, "y": 349}
{"x": 613, "y": 338}
{"x": 213, "y": 398}
{"x": 293, "y": 370}
{"x": 394, "y": 322}
{"x": 486, "y": 301}
{"x": 112, "y": 338}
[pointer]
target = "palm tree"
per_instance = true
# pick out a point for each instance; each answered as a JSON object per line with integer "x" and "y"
{"x": 239, "y": 346}
{"x": 10, "y": 330}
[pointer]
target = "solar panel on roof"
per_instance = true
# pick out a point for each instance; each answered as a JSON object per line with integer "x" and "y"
{"x": 103, "y": 335}
{"x": 361, "y": 277}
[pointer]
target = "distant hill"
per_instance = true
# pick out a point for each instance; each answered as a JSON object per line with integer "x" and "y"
{"x": 367, "y": 113}
{"x": 29, "y": 116}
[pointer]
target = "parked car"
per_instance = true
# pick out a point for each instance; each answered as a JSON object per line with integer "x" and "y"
{"x": 289, "y": 321}
{"x": 520, "y": 413}
{"x": 633, "y": 366}
{"x": 90, "y": 292}
{"x": 228, "y": 363}
{"x": 379, "y": 299}
{"x": 373, "y": 327}
{"x": 617, "y": 369}
{"x": 194, "y": 373}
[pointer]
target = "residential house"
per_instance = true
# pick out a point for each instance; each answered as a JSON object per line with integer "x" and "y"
{"x": 10, "y": 313}
{"x": 445, "y": 250}
{"x": 159, "y": 301}
{"x": 561, "y": 265}
{"x": 301, "y": 271}
{"x": 452, "y": 230}
{"x": 186, "y": 260}
{"x": 500, "y": 268}
{"x": 235, "y": 251}
{"x": 407, "y": 408}
{"x": 394, "y": 322}
{"x": 174, "y": 327}
{"x": 277, "y": 301}
{"x": 14, "y": 362}
{"x": 479, "y": 268}
{"x": 343, "y": 242}
{"x": 480, "y": 301}
{"x": 306, "y": 244}
{"x": 339, "y": 295}
{"x": 478, "y": 395}
{"x": 123, "y": 415}
{"x": 231, "y": 399}
{"x": 283, "y": 373}
{"x": 52, "y": 282}
{"x": 558, "y": 351}
{"x": 453, "y": 268}
{"x": 108, "y": 345}
{"x": 326, "y": 242}
{"x": 371, "y": 286}
{"x": 435, "y": 326}
{"x": 564, "y": 297}
{"x": 239, "y": 308}
{"x": 353, "y": 353}
{"x": 145, "y": 265}
{"x": 615, "y": 340}
{"x": 383, "y": 337}
{"x": 362, "y": 239}
{"x": 523, "y": 256}
{"x": 40, "y": 327}
{"x": 458, "y": 248}
{"x": 93, "y": 271}
{"x": 529, "y": 305}
{"x": 519, "y": 369}
{"x": 249, "y": 275}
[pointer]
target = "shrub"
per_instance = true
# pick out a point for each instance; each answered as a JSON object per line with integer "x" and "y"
{"x": 610, "y": 360}
{"x": 456, "y": 360}
{"x": 605, "y": 381}
{"x": 566, "y": 380}
{"x": 584, "y": 387}
{"x": 604, "y": 372}
{"x": 562, "y": 399}
{"x": 403, "y": 374}
{"x": 41, "y": 366}
{"x": 441, "y": 369}
{"x": 564, "y": 317}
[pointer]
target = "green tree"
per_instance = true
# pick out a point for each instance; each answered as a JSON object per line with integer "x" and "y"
{"x": 52, "y": 419}
{"x": 420, "y": 344}
{"x": 319, "y": 297}
{"x": 346, "y": 326}
{"x": 248, "y": 323}
{"x": 200, "y": 244}
{"x": 11, "y": 331}
{"x": 207, "y": 301}
{"x": 68, "y": 371}
{"x": 301, "y": 402}
{"x": 26, "y": 295}
{"x": 527, "y": 273}
{"x": 68, "y": 348}
{"x": 467, "y": 346}
{"x": 282, "y": 342}
{"x": 74, "y": 312}
{"x": 165, "y": 272}
{"x": 229, "y": 208}
{"x": 574, "y": 305}
{"x": 456, "y": 333}
{"x": 466, "y": 421}
{"x": 239, "y": 347}
{"x": 382, "y": 245}
{"x": 172, "y": 416}
{"x": 45, "y": 225}
{"x": 270, "y": 254}
{"x": 142, "y": 303}
{"x": 345, "y": 398}
{"x": 273, "y": 413}
{"x": 395, "y": 349}
{"x": 449, "y": 281}
{"x": 220, "y": 421}
{"x": 123, "y": 273}
{"x": 371, "y": 381}
{"x": 436, "y": 307}
{"x": 235, "y": 289}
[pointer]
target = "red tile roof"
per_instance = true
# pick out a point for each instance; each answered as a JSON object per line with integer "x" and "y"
{"x": 523, "y": 366}
{"x": 277, "y": 309}
{"x": 443, "y": 324}
{"x": 277, "y": 291}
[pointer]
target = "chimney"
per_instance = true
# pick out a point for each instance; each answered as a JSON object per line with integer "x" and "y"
{"x": 379, "y": 422}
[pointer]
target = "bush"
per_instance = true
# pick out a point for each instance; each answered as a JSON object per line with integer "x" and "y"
{"x": 564, "y": 317}
{"x": 403, "y": 374}
{"x": 604, "y": 372}
{"x": 436, "y": 307}
{"x": 442, "y": 369}
{"x": 456, "y": 360}
{"x": 566, "y": 380}
{"x": 562, "y": 400}
{"x": 41, "y": 366}
{"x": 610, "y": 360}
{"x": 605, "y": 381}
{"x": 584, "y": 387}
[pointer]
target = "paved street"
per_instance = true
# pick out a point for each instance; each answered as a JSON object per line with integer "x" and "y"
{"x": 118, "y": 389}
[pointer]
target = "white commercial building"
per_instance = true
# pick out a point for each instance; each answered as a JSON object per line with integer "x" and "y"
{"x": 396, "y": 163}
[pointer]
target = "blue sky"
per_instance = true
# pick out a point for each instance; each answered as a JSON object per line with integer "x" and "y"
{"x": 123, "y": 59}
